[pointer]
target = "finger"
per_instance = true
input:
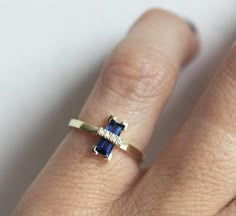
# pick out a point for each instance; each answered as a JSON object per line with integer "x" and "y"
{"x": 134, "y": 85}
{"x": 197, "y": 173}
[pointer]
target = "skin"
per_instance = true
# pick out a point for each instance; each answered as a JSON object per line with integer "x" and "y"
{"x": 195, "y": 175}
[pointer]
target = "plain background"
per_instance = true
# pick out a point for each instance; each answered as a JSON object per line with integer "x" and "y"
{"x": 50, "y": 55}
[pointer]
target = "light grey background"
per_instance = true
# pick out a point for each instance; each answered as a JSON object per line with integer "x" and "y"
{"x": 50, "y": 54}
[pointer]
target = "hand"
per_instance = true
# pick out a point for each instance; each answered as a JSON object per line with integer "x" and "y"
{"x": 195, "y": 175}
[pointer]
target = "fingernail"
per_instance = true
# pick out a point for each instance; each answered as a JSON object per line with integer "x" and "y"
{"x": 191, "y": 26}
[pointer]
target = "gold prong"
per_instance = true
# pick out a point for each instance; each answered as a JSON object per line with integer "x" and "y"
{"x": 109, "y": 157}
{"x": 94, "y": 149}
{"x": 125, "y": 125}
{"x": 111, "y": 117}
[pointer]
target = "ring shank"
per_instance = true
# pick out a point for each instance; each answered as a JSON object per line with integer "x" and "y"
{"x": 133, "y": 151}
{"x": 76, "y": 123}
{"x": 130, "y": 149}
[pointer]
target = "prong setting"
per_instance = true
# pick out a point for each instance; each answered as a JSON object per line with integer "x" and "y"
{"x": 94, "y": 149}
{"x": 109, "y": 157}
{"x": 108, "y": 139}
{"x": 111, "y": 117}
{"x": 125, "y": 125}
{"x": 113, "y": 138}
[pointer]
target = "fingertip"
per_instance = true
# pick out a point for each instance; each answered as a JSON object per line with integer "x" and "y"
{"x": 176, "y": 35}
{"x": 192, "y": 26}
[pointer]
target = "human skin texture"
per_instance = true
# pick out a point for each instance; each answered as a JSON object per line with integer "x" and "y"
{"x": 195, "y": 175}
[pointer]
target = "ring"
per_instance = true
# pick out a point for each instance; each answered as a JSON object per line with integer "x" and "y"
{"x": 110, "y": 137}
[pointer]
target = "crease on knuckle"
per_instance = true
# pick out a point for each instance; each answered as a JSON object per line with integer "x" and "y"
{"x": 218, "y": 107}
{"x": 218, "y": 155}
{"x": 138, "y": 74}
{"x": 132, "y": 202}
{"x": 225, "y": 138}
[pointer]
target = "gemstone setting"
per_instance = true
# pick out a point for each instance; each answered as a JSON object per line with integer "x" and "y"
{"x": 110, "y": 137}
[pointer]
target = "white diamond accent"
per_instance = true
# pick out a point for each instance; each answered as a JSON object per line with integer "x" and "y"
{"x": 107, "y": 134}
{"x": 113, "y": 138}
{"x": 119, "y": 141}
{"x": 101, "y": 132}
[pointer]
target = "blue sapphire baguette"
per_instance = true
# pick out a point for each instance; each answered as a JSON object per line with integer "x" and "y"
{"x": 104, "y": 146}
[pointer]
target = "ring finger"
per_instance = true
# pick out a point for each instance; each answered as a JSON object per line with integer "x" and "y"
{"x": 134, "y": 85}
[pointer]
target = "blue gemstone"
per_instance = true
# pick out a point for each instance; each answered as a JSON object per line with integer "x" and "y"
{"x": 105, "y": 147}
{"x": 115, "y": 127}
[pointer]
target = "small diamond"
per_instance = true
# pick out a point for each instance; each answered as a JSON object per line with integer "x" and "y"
{"x": 113, "y": 137}
{"x": 119, "y": 141}
{"x": 115, "y": 140}
{"x": 107, "y": 135}
{"x": 101, "y": 132}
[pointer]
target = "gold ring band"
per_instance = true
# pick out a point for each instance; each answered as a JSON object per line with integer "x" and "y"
{"x": 109, "y": 137}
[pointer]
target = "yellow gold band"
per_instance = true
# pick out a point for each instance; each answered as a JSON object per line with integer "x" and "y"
{"x": 76, "y": 123}
{"x": 116, "y": 140}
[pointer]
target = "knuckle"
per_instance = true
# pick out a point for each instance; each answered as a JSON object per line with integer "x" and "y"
{"x": 217, "y": 105}
{"x": 139, "y": 72}
{"x": 215, "y": 159}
